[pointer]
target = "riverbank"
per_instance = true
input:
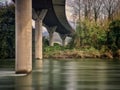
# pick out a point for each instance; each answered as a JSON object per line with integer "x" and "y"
{"x": 64, "y": 54}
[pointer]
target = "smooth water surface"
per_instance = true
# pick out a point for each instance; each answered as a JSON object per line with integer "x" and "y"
{"x": 81, "y": 74}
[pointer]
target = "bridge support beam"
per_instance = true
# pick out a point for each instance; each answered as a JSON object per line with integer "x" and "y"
{"x": 51, "y": 31}
{"x": 63, "y": 37}
{"x": 38, "y": 16}
{"x": 23, "y": 36}
{"x": 38, "y": 39}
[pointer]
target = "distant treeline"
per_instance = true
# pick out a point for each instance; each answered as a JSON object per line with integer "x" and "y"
{"x": 7, "y": 30}
{"x": 98, "y": 24}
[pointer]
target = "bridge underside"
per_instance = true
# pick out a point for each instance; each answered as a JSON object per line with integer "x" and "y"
{"x": 49, "y": 12}
{"x": 55, "y": 16}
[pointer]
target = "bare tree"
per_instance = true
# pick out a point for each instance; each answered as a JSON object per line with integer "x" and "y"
{"x": 97, "y": 7}
{"x": 87, "y": 8}
{"x": 110, "y": 7}
{"x": 117, "y": 13}
{"x": 77, "y": 6}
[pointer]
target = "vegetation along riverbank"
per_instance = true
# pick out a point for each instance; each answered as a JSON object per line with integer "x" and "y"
{"x": 94, "y": 36}
{"x": 59, "y": 52}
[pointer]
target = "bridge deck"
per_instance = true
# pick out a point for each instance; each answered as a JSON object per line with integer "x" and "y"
{"x": 56, "y": 15}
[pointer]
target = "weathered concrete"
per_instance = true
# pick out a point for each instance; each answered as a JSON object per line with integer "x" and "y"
{"x": 38, "y": 16}
{"x": 38, "y": 39}
{"x": 23, "y": 36}
{"x": 54, "y": 17}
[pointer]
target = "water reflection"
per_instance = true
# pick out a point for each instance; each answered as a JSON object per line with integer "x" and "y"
{"x": 23, "y": 82}
{"x": 36, "y": 75}
{"x": 31, "y": 81}
{"x": 66, "y": 75}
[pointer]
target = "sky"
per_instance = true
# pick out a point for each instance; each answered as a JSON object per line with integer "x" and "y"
{"x": 5, "y": 0}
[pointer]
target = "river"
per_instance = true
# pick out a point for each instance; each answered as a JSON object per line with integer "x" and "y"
{"x": 82, "y": 74}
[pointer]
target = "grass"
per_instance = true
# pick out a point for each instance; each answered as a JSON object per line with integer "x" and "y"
{"x": 64, "y": 52}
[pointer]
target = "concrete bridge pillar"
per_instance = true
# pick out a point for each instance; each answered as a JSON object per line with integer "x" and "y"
{"x": 23, "y": 36}
{"x": 38, "y": 39}
{"x": 63, "y": 37}
{"x": 38, "y": 16}
{"x": 51, "y": 31}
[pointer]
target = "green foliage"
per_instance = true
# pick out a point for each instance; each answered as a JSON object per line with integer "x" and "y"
{"x": 7, "y": 31}
{"x": 88, "y": 34}
{"x": 89, "y": 40}
{"x": 45, "y": 42}
{"x": 113, "y": 38}
{"x": 56, "y": 47}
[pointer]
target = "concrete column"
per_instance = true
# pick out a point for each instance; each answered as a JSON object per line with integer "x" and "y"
{"x": 51, "y": 31}
{"x": 23, "y": 36}
{"x": 63, "y": 37}
{"x": 38, "y": 16}
{"x": 51, "y": 39}
{"x": 38, "y": 39}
